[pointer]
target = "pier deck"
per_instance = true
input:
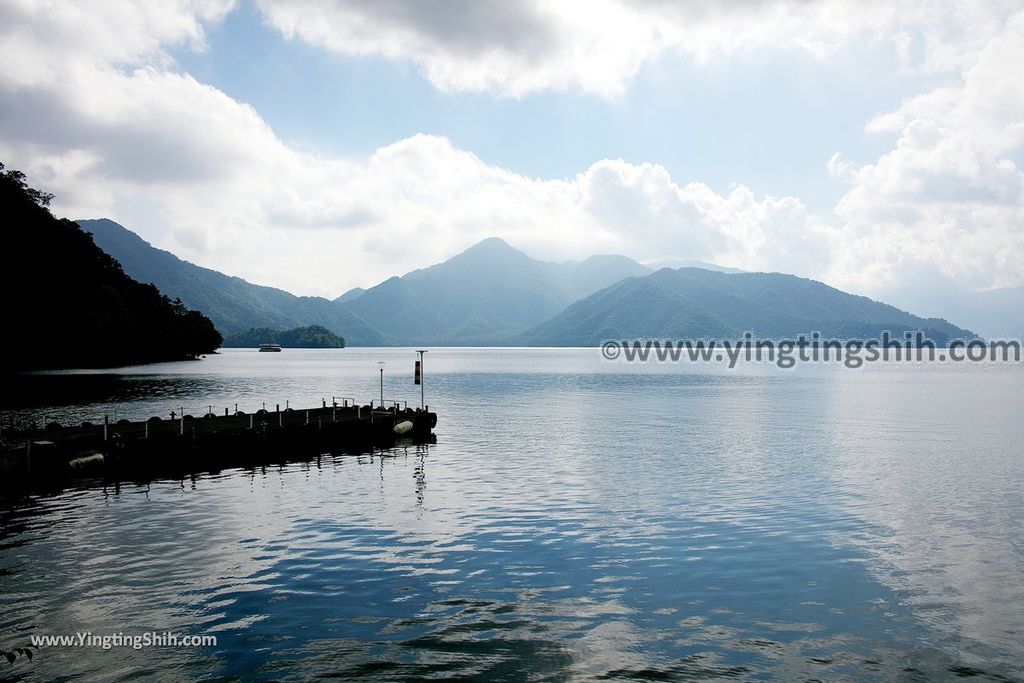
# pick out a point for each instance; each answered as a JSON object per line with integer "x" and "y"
{"x": 208, "y": 442}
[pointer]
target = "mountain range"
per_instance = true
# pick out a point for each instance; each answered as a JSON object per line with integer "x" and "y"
{"x": 233, "y": 304}
{"x": 695, "y": 303}
{"x": 485, "y": 295}
{"x": 494, "y": 294}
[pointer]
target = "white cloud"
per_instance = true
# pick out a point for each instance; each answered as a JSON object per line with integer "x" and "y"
{"x": 41, "y": 38}
{"x": 420, "y": 200}
{"x": 948, "y": 200}
{"x": 838, "y": 166}
{"x": 641, "y": 211}
{"x": 115, "y": 130}
{"x": 508, "y": 47}
{"x": 598, "y": 46}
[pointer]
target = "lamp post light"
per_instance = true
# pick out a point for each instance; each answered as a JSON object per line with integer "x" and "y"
{"x": 381, "y": 364}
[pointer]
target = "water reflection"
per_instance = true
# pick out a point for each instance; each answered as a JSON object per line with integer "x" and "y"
{"x": 938, "y": 478}
{"x": 566, "y": 526}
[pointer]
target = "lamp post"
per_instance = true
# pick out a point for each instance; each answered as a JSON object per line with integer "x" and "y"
{"x": 381, "y": 364}
{"x": 421, "y": 377}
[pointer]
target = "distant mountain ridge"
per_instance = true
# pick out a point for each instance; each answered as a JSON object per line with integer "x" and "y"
{"x": 353, "y": 293}
{"x": 694, "y": 303}
{"x": 484, "y": 295}
{"x": 494, "y": 294}
{"x": 233, "y": 304}
{"x": 676, "y": 264}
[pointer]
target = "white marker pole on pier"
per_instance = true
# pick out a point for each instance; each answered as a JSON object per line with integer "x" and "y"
{"x": 421, "y": 378}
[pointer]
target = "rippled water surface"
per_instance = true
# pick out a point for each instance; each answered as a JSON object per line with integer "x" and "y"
{"x": 576, "y": 520}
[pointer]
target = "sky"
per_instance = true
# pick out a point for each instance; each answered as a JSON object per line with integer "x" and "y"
{"x": 322, "y": 145}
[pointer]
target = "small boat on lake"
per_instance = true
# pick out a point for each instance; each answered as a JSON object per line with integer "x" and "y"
{"x": 270, "y": 347}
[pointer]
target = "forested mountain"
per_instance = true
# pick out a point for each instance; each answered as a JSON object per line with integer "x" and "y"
{"x": 495, "y": 294}
{"x": 233, "y": 304}
{"x": 695, "y": 303}
{"x": 69, "y": 304}
{"x": 312, "y": 337}
{"x": 484, "y": 295}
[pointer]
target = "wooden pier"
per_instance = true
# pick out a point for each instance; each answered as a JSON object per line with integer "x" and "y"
{"x": 186, "y": 443}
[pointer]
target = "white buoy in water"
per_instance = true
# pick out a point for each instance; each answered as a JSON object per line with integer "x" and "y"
{"x": 403, "y": 427}
{"x": 86, "y": 461}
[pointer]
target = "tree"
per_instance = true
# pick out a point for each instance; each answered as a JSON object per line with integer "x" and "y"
{"x": 72, "y": 304}
{"x": 17, "y": 178}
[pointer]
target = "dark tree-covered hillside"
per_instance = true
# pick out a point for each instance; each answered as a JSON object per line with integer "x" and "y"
{"x": 69, "y": 304}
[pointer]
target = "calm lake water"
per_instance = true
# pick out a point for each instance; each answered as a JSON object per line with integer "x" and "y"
{"x": 576, "y": 520}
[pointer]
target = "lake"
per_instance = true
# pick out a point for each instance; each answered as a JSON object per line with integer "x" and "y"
{"x": 577, "y": 519}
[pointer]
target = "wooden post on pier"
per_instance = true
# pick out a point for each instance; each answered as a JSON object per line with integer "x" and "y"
{"x": 106, "y": 421}
{"x": 252, "y": 421}
{"x": 181, "y": 428}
